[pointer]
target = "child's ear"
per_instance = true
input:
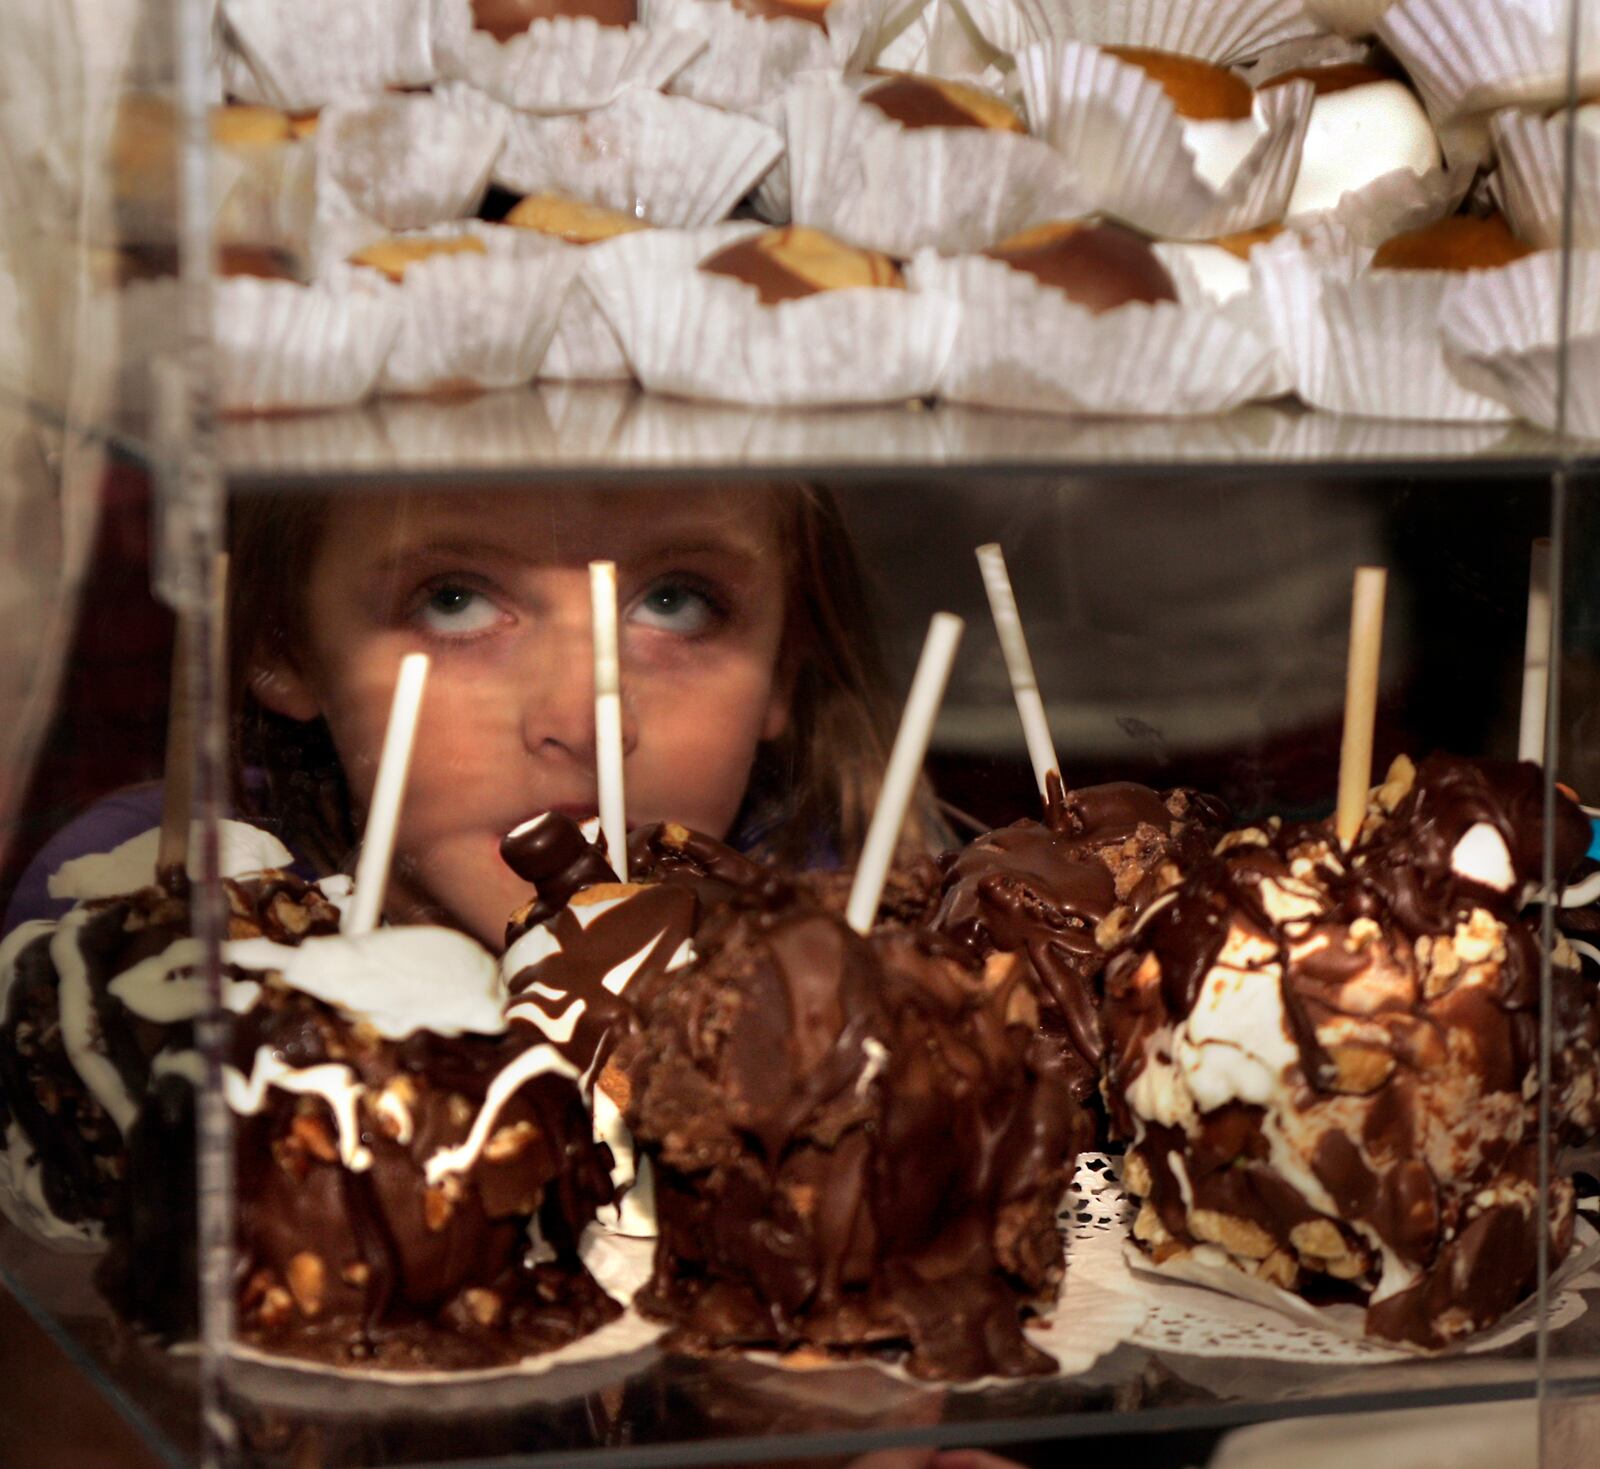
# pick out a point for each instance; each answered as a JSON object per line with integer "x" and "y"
{"x": 279, "y": 686}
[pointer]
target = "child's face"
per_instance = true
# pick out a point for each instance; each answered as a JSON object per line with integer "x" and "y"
{"x": 495, "y": 588}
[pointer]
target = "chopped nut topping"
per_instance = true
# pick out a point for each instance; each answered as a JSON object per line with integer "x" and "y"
{"x": 308, "y": 1279}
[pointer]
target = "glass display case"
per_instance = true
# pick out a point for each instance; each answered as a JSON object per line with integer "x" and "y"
{"x": 296, "y": 381}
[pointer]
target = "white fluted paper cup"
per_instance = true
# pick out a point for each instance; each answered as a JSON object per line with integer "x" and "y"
{"x": 306, "y": 53}
{"x": 1223, "y": 31}
{"x": 1530, "y": 183}
{"x": 1207, "y": 275}
{"x": 1468, "y": 56}
{"x": 668, "y": 160}
{"x": 561, "y": 63}
{"x": 585, "y": 346}
{"x": 1024, "y": 345}
{"x": 404, "y": 161}
{"x": 859, "y": 175}
{"x": 697, "y": 335}
{"x": 1393, "y": 204}
{"x": 748, "y": 60}
{"x": 939, "y": 39}
{"x": 1502, "y": 331}
{"x": 477, "y": 321}
{"x": 278, "y": 346}
{"x": 1351, "y": 18}
{"x": 1360, "y": 342}
{"x": 1124, "y": 137}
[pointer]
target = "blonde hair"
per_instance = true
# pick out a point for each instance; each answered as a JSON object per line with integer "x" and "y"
{"x": 810, "y": 793}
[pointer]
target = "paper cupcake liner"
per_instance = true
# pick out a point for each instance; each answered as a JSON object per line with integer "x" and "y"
{"x": 559, "y": 64}
{"x": 1391, "y": 205}
{"x": 1124, "y": 137}
{"x": 1530, "y": 182}
{"x": 671, "y": 161}
{"x": 1472, "y": 55}
{"x": 1502, "y": 332}
{"x": 705, "y": 336}
{"x": 1024, "y": 345}
{"x": 941, "y": 40}
{"x": 1208, "y": 276}
{"x": 617, "y": 1349}
{"x": 585, "y": 347}
{"x": 749, "y": 60}
{"x": 306, "y": 53}
{"x": 857, "y": 174}
{"x": 479, "y": 321}
{"x": 405, "y": 161}
{"x": 771, "y": 199}
{"x": 1366, "y": 344}
{"x": 1214, "y": 30}
{"x": 278, "y": 346}
{"x": 1347, "y": 17}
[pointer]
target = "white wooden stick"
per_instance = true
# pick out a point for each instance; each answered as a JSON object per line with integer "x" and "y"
{"x": 1536, "y": 656}
{"x": 905, "y": 764}
{"x": 1360, "y": 700}
{"x": 383, "y": 818}
{"x": 1019, "y": 665}
{"x": 608, "y": 714}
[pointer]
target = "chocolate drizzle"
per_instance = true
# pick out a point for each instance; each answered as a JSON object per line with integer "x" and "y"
{"x": 857, "y": 1143}
{"x": 1042, "y": 889}
{"x": 554, "y": 855}
{"x": 1399, "y": 1149}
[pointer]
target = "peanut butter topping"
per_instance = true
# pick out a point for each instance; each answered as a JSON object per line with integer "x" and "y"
{"x": 1460, "y": 243}
{"x": 1200, "y": 91}
{"x": 394, "y": 256}
{"x": 567, "y": 219}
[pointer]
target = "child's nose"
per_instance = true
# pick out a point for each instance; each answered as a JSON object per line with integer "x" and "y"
{"x": 558, "y": 702}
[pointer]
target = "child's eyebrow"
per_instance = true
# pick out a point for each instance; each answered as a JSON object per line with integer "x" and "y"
{"x": 731, "y": 548}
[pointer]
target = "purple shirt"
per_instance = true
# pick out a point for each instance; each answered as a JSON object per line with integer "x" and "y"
{"x": 105, "y": 825}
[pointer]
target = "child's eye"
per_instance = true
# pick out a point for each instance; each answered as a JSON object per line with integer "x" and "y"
{"x": 450, "y": 608}
{"x": 677, "y": 604}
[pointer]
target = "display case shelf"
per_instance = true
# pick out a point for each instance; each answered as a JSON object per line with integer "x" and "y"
{"x": 659, "y": 1409}
{"x": 614, "y": 432}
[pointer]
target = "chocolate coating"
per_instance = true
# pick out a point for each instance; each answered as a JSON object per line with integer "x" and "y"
{"x": 1099, "y": 266}
{"x": 504, "y": 19}
{"x": 857, "y": 1144}
{"x": 789, "y": 263}
{"x": 555, "y": 856}
{"x": 1042, "y": 890}
{"x": 376, "y": 1266}
{"x": 928, "y": 102}
{"x": 82, "y": 1154}
{"x": 1398, "y": 1147}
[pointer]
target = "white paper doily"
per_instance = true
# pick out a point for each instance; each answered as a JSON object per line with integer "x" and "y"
{"x": 1192, "y": 1320}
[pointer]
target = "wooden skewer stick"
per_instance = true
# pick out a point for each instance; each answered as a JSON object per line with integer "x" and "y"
{"x": 383, "y": 818}
{"x": 905, "y": 764}
{"x": 608, "y": 715}
{"x": 1360, "y": 700}
{"x": 1019, "y": 665}
{"x": 1536, "y": 656}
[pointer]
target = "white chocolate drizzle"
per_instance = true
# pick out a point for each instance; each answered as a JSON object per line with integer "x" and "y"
{"x": 536, "y": 1061}
{"x": 335, "y": 1084}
